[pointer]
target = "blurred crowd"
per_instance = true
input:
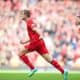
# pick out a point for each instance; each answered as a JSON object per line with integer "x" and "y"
{"x": 59, "y": 22}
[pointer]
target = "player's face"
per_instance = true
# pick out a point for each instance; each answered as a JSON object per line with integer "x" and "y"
{"x": 22, "y": 16}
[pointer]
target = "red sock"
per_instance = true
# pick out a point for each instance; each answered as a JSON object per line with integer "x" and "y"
{"x": 25, "y": 59}
{"x": 57, "y": 66}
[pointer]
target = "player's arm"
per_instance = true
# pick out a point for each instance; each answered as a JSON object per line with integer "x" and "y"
{"x": 24, "y": 42}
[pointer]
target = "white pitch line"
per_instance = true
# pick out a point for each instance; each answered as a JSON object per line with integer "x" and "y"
{"x": 22, "y": 71}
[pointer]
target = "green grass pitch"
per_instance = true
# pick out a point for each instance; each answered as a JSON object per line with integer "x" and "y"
{"x": 38, "y": 76}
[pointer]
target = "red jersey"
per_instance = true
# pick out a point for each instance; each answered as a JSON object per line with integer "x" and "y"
{"x": 33, "y": 35}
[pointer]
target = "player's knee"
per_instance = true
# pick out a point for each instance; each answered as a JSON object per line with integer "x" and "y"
{"x": 22, "y": 52}
{"x": 47, "y": 58}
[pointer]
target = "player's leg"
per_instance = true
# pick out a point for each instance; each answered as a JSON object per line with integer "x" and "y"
{"x": 29, "y": 48}
{"x": 44, "y": 52}
{"x": 53, "y": 62}
{"x": 25, "y": 59}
